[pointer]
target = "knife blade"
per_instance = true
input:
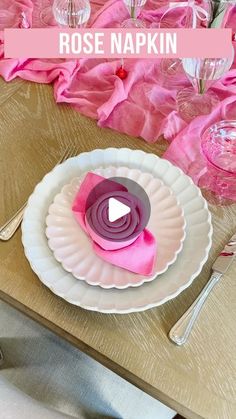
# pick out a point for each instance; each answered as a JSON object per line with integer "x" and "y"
{"x": 226, "y": 257}
{"x": 182, "y": 329}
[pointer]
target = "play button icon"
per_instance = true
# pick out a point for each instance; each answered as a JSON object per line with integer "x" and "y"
{"x": 116, "y": 209}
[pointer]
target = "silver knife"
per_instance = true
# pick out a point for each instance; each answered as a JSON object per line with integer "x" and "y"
{"x": 182, "y": 329}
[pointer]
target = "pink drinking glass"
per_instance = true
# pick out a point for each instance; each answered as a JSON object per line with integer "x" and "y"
{"x": 219, "y": 148}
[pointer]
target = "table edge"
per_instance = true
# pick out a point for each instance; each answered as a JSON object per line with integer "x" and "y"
{"x": 101, "y": 358}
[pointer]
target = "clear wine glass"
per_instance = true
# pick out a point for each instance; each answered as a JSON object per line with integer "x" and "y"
{"x": 134, "y": 7}
{"x": 174, "y": 17}
{"x": 71, "y": 13}
{"x": 68, "y": 13}
{"x": 183, "y": 15}
{"x": 198, "y": 100}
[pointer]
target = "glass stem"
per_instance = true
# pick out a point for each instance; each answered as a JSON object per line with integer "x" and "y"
{"x": 132, "y": 12}
{"x": 71, "y": 17}
{"x": 201, "y": 86}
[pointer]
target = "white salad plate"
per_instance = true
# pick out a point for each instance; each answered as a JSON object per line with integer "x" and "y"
{"x": 73, "y": 248}
{"x": 178, "y": 277}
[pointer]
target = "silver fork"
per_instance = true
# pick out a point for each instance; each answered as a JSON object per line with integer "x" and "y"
{"x": 10, "y": 227}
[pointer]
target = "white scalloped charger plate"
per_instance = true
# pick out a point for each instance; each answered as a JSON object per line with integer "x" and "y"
{"x": 178, "y": 277}
{"x": 73, "y": 248}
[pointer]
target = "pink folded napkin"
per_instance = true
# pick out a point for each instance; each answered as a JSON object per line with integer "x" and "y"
{"x": 122, "y": 243}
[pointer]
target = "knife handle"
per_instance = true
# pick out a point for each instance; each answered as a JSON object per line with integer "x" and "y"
{"x": 182, "y": 329}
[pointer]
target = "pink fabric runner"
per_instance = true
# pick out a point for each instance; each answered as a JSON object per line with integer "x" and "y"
{"x": 141, "y": 105}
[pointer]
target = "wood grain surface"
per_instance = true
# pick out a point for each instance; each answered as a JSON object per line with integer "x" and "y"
{"x": 197, "y": 380}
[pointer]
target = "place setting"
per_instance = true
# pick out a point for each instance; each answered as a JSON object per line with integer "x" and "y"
{"x": 123, "y": 252}
{"x": 116, "y": 231}
{"x": 121, "y": 230}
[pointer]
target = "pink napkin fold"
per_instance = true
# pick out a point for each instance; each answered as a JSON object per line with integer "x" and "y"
{"x": 120, "y": 243}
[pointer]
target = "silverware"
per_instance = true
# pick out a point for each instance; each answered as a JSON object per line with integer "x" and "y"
{"x": 182, "y": 329}
{"x": 8, "y": 229}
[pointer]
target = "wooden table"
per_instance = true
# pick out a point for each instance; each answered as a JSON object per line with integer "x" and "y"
{"x": 197, "y": 380}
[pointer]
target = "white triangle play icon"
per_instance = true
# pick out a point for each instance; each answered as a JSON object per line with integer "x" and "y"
{"x": 116, "y": 209}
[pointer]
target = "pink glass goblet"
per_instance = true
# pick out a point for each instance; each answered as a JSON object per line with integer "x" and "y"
{"x": 218, "y": 145}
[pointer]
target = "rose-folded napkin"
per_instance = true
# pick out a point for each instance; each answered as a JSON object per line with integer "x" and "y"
{"x": 121, "y": 242}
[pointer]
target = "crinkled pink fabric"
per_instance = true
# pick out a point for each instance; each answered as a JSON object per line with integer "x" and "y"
{"x": 142, "y": 105}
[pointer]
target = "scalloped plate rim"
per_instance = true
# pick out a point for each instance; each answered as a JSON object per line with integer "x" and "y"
{"x": 137, "y": 308}
{"x": 128, "y": 284}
